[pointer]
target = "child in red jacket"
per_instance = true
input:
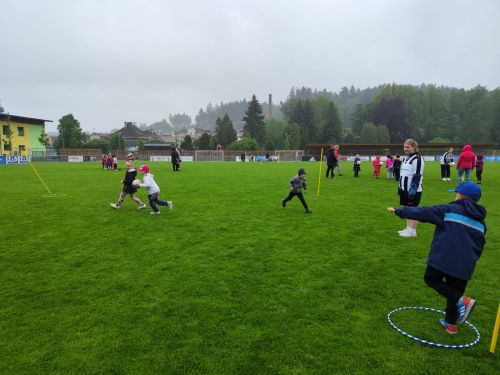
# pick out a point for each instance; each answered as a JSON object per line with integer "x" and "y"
{"x": 376, "y": 166}
{"x": 466, "y": 162}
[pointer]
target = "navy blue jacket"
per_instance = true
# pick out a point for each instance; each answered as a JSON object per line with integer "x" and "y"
{"x": 459, "y": 236}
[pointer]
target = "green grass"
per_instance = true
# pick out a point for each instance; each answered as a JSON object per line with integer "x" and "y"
{"x": 227, "y": 281}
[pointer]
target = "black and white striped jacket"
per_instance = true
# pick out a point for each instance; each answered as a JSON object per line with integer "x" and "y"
{"x": 411, "y": 165}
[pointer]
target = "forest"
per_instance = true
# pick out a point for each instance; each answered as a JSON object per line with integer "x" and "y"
{"x": 384, "y": 114}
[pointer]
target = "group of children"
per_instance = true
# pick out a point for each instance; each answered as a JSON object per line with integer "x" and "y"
{"x": 392, "y": 166}
{"x": 109, "y": 162}
{"x": 130, "y": 186}
{"x": 458, "y": 242}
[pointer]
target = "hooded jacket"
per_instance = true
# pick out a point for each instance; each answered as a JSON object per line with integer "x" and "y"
{"x": 459, "y": 236}
{"x": 479, "y": 163}
{"x": 467, "y": 158}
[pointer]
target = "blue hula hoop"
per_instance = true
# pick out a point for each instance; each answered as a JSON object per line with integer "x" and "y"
{"x": 425, "y": 342}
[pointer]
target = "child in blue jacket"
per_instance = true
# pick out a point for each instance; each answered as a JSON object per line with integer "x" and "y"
{"x": 458, "y": 242}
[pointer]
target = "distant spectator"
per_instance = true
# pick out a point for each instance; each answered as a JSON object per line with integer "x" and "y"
{"x": 357, "y": 166}
{"x": 176, "y": 159}
{"x": 331, "y": 161}
{"x": 446, "y": 160}
{"x": 389, "y": 162}
{"x": 466, "y": 162}
{"x": 479, "y": 168}
{"x": 396, "y": 167}
{"x": 242, "y": 157}
{"x": 337, "y": 156}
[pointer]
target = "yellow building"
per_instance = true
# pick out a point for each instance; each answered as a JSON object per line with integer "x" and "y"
{"x": 23, "y": 137}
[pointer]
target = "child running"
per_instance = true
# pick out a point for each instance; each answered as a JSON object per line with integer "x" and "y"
{"x": 153, "y": 191}
{"x": 296, "y": 184}
{"x": 458, "y": 242}
{"x": 128, "y": 188}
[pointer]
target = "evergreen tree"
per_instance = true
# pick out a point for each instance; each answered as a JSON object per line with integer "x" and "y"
{"x": 254, "y": 121}
{"x": 187, "y": 143}
{"x": 368, "y": 133}
{"x": 225, "y": 131}
{"x": 383, "y": 134}
{"x": 116, "y": 142}
{"x": 331, "y": 131}
{"x": 291, "y": 137}
{"x": 205, "y": 142}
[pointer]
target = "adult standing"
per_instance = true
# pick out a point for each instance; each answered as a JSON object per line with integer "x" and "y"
{"x": 331, "y": 161}
{"x": 336, "y": 149}
{"x": 465, "y": 163}
{"x": 446, "y": 160}
{"x": 176, "y": 159}
{"x": 410, "y": 183}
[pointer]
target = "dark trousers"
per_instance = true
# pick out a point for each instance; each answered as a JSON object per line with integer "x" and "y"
{"x": 154, "y": 199}
{"x": 175, "y": 166}
{"x": 449, "y": 287}
{"x": 330, "y": 168}
{"x": 478, "y": 175}
{"x": 445, "y": 171}
{"x": 356, "y": 170}
{"x": 300, "y": 196}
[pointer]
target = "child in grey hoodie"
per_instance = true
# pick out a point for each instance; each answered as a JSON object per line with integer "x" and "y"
{"x": 296, "y": 184}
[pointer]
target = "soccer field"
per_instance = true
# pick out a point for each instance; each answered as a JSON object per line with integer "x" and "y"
{"x": 228, "y": 281}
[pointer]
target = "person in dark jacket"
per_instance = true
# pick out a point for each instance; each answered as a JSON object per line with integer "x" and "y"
{"x": 457, "y": 244}
{"x": 175, "y": 157}
{"x": 479, "y": 168}
{"x": 128, "y": 188}
{"x": 331, "y": 161}
{"x": 296, "y": 184}
{"x": 396, "y": 167}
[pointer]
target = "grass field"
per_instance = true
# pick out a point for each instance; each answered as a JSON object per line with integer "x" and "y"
{"x": 227, "y": 282}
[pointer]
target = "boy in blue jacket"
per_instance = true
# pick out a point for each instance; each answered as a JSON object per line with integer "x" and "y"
{"x": 458, "y": 242}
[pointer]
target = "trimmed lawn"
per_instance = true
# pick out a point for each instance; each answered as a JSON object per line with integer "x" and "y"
{"x": 227, "y": 281}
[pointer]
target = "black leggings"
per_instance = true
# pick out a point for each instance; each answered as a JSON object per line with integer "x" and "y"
{"x": 445, "y": 171}
{"x": 449, "y": 287}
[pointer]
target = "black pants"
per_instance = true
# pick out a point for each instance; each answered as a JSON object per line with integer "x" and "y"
{"x": 300, "y": 196}
{"x": 449, "y": 287}
{"x": 330, "y": 168}
{"x": 175, "y": 166}
{"x": 445, "y": 171}
{"x": 478, "y": 175}
{"x": 356, "y": 170}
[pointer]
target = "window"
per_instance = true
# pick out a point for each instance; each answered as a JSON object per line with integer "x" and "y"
{"x": 5, "y": 129}
{"x": 7, "y": 147}
{"x": 22, "y": 149}
{"x": 20, "y": 131}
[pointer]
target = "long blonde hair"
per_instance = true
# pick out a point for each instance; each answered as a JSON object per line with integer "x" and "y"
{"x": 413, "y": 143}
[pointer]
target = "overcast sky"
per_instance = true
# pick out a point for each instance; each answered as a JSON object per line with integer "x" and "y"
{"x": 110, "y": 61}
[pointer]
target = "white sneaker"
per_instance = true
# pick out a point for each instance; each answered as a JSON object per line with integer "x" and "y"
{"x": 170, "y": 204}
{"x": 408, "y": 233}
{"x": 444, "y": 179}
{"x": 115, "y": 206}
{"x": 141, "y": 206}
{"x": 404, "y": 230}
{"x": 448, "y": 179}
{"x": 155, "y": 213}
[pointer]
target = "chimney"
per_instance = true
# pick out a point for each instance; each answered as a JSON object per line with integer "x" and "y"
{"x": 270, "y": 108}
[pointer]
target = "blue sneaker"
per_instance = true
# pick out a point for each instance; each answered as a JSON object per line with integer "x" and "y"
{"x": 283, "y": 203}
{"x": 465, "y": 306}
{"x": 452, "y": 329}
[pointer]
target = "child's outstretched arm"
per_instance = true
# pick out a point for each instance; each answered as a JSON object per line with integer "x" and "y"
{"x": 430, "y": 214}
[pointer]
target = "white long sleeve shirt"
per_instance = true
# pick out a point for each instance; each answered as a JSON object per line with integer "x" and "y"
{"x": 150, "y": 184}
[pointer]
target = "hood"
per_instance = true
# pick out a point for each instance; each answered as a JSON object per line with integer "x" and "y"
{"x": 467, "y": 148}
{"x": 474, "y": 210}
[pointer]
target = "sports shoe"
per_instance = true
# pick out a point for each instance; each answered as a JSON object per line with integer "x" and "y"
{"x": 308, "y": 211}
{"x": 115, "y": 206}
{"x": 403, "y": 230}
{"x": 283, "y": 203}
{"x": 170, "y": 204}
{"x": 452, "y": 329}
{"x": 408, "y": 233}
{"x": 448, "y": 179}
{"x": 444, "y": 179}
{"x": 465, "y": 306}
{"x": 141, "y": 206}
{"x": 155, "y": 212}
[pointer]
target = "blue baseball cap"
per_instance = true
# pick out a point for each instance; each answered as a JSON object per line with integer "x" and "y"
{"x": 469, "y": 189}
